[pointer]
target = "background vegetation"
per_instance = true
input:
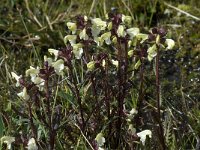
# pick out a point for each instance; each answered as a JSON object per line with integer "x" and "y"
{"x": 29, "y": 28}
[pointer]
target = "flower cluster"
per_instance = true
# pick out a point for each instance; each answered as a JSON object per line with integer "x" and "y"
{"x": 105, "y": 50}
{"x": 85, "y": 33}
{"x": 39, "y": 75}
{"x": 8, "y": 140}
{"x": 158, "y": 39}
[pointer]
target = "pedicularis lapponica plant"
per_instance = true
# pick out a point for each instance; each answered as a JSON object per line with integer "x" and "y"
{"x": 82, "y": 97}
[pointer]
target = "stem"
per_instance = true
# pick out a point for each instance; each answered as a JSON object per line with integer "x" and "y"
{"x": 141, "y": 95}
{"x": 33, "y": 128}
{"x": 122, "y": 78}
{"x": 77, "y": 94}
{"x": 51, "y": 130}
{"x": 95, "y": 93}
{"x": 119, "y": 98}
{"x": 107, "y": 99}
{"x": 161, "y": 132}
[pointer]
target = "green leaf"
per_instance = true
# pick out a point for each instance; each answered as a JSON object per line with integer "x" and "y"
{"x": 137, "y": 65}
{"x": 1, "y": 126}
{"x": 67, "y": 97}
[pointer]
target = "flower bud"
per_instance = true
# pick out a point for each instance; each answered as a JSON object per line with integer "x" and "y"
{"x": 162, "y": 32}
{"x": 72, "y": 26}
{"x": 154, "y": 31}
{"x": 158, "y": 39}
{"x": 91, "y": 65}
{"x": 115, "y": 62}
{"x": 109, "y": 25}
{"x": 114, "y": 40}
{"x": 130, "y": 53}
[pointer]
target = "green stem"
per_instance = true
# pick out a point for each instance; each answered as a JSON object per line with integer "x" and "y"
{"x": 161, "y": 132}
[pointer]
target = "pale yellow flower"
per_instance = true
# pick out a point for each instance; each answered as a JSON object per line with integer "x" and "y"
{"x": 105, "y": 37}
{"x": 78, "y": 50}
{"x": 170, "y": 43}
{"x": 133, "y": 111}
{"x": 126, "y": 19}
{"x": 33, "y": 73}
{"x": 152, "y": 52}
{"x": 8, "y": 140}
{"x": 142, "y": 37}
{"x": 83, "y": 35}
{"x": 16, "y": 77}
{"x": 120, "y": 31}
{"x": 53, "y": 51}
{"x": 58, "y": 66}
{"x": 32, "y": 144}
{"x": 91, "y": 65}
{"x": 99, "y": 23}
{"x": 24, "y": 94}
{"x": 100, "y": 139}
{"x": 132, "y": 32}
{"x": 143, "y": 135}
{"x": 72, "y": 26}
{"x": 97, "y": 26}
{"x": 70, "y": 38}
{"x": 109, "y": 26}
{"x": 115, "y": 62}
{"x": 130, "y": 53}
{"x": 48, "y": 59}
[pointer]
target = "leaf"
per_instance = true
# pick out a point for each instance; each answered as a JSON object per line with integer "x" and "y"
{"x": 1, "y": 126}
{"x": 137, "y": 65}
{"x": 67, "y": 97}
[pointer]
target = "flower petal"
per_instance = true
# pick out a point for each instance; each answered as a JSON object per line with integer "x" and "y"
{"x": 8, "y": 140}
{"x": 142, "y": 37}
{"x": 115, "y": 62}
{"x": 24, "y": 94}
{"x": 83, "y": 35}
{"x": 132, "y": 32}
{"x": 170, "y": 43}
{"x": 120, "y": 31}
{"x": 70, "y": 38}
{"x": 16, "y": 77}
{"x": 77, "y": 50}
{"x": 152, "y": 52}
{"x": 91, "y": 65}
{"x": 32, "y": 144}
{"x": 143, "y": 135}
{"x": 53, "y": 51}
{"x": 100, "y": 139}
{"x": 99, "y": 23}
{"x": 72, "y": 26}
{"x": 59, "y": 66}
